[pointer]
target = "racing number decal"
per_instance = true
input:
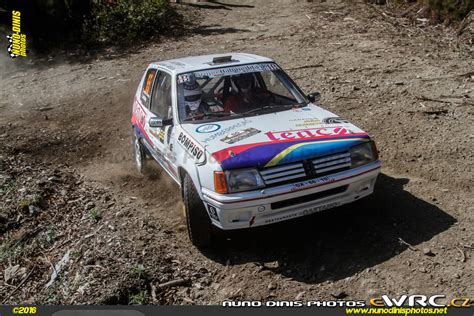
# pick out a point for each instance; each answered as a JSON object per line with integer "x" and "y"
{"x": 146, "y": 92}
{"x": 149, "y": 81}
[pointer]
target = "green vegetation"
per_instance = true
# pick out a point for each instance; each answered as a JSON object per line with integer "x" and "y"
{"x": 139, "y": 298}
{"x": 127, "y": 20}
{"x": 138, "y": 271}
{"x": 33, "y": 200}
{"x": 92, "y": 23}
{"x": 95, "y": 215}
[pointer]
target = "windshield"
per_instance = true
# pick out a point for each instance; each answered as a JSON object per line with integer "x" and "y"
{"x": 230, "y": 92}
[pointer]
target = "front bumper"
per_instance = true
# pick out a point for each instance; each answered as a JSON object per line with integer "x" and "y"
{"x": 275, "y": 204}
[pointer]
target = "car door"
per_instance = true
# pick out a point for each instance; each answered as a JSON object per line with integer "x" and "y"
{"x": 161, "y": 108}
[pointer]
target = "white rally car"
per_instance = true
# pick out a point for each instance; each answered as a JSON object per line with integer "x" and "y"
{"x": 245, "y": 145}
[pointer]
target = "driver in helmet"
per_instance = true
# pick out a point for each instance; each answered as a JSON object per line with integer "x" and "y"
{"x": 245, "y": 97}
{"x": 193, "y": 100}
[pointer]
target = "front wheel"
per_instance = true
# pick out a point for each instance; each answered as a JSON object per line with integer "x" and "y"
{"x": 197, "y": 219}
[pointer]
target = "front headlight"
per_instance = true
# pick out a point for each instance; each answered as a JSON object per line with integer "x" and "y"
{"x": 363, "y": 154}
{"x": 243, "y": 180}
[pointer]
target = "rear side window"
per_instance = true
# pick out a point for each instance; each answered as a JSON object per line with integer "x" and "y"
{"x": 147, "y": 86}
{"x": 161, "y": 100}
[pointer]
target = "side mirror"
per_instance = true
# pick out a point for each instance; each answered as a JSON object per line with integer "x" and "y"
{"x": 314, "y": 96}
{"x": 160, "y": 122}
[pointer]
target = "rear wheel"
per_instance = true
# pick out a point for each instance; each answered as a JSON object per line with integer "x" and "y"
{"x": 139, "y": 154}
{"x": 197, "y": 219}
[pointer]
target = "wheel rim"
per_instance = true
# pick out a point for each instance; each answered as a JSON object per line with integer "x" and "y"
{"x": 138, "y": 154}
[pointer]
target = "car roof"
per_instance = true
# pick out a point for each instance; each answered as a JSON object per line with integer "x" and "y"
{"x": 194, "y": 63}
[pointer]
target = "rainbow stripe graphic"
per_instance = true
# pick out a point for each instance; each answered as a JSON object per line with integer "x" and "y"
{"x": 280, "y": 152}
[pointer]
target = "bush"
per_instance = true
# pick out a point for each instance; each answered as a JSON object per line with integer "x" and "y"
{"x": 119, "y": 21}
{"x": 90, "y": 22}
{"x": 450, "y": 10}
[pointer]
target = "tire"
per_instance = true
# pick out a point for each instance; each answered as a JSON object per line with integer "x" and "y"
{"x": 139, "y": 154}
{"x": 197, "y": 219}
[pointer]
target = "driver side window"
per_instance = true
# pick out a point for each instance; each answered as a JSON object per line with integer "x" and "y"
{"x": 161, "y": 98}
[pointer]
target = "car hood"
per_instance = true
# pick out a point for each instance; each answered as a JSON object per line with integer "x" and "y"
{"x": 276, "y": 138}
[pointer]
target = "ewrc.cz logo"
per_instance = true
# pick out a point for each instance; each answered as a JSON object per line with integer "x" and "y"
{"x": 419, "y": 300}
{"x": 17, "y": 46}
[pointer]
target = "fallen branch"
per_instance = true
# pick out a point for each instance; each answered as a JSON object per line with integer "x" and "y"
{"x": 466, "y": 74}
{"x": 437, "y": 112}
{"x": 424, "y": 98}
{"x": 407, "y": 244}
{"x": 305, "y": 67}
{"x": 463, "y": 258}
{"x": 172, "y": 283}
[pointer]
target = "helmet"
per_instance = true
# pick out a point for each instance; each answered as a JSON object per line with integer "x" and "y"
{"x": 192, "y": 94}
{"x": 243, "y": 82}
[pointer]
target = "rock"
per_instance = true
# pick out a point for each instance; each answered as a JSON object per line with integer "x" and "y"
{"x": 428, "y": 252}
{"x": 33, "y": 209}
{"x": 58, "y": 267}
{"x": 299, "y": 296}
{"x": 339, "y": 294}
{"x": 10, "y": 272}
{"x": 399, "y": 83}
{"x": 271, "y": 286}
{"x": 90, "y": 205}
{"x": 422, "y": 270}
{"x": 271, "y": 265}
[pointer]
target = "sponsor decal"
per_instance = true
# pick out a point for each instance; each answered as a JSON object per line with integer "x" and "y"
{"x": 208, "y": 128}
{"x": 281, "y": 218}
{"x": 212, "y": 210}
{"x": 287, "y": 150}
{"x": 228, "y": 71}
{"x": 310, "y": 133}
{"x": 158, "y": 133}
{"x": 139, "y": 115}
{"x": 17, "y": 41}
{"x": 191, "y": 148}
{"x": 300, "y": 185}
{"x": 304, "y": 212}
{"x": 335, "y": 120}
{"x": 240, "y": 135}
{"x": 320, "y": 208}
{"x": 226, "y": 130}
{"x": 304, "y": 122}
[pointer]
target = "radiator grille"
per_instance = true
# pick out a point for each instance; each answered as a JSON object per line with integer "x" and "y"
{"x": 315, "y": 168}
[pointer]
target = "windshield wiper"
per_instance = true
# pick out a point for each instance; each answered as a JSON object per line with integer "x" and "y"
{"x": 210, "y": 114}
{"x": 266, "y": 107}
{"x": 218, "y": 114}
{"x": 298, "y": 105}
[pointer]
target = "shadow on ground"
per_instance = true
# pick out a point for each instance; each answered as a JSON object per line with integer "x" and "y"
{"x": 215, "y": 29}
{"x": 338, "y": 243}
{"x": 216, "y": 5}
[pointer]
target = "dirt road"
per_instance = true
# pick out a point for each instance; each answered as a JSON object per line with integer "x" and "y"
{"x": 115, "y": 236}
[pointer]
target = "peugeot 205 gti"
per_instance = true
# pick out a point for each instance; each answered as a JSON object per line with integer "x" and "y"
{"x": 245, "y": 145}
